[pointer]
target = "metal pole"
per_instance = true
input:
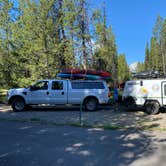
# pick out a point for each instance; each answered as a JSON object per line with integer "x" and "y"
{"x": 81, "y": 114}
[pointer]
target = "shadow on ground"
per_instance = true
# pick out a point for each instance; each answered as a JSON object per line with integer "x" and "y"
{"x": 68, "y": 146}
{"x": 105, "y": 116}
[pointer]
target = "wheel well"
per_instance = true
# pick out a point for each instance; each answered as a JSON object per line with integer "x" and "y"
{"x": 129, "y": 98}
{"x": 88, "y": 97}
{"x": 151, "y": 101}
{"x": 14, "y": 97}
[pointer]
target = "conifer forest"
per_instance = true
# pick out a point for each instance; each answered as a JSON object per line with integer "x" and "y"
{"x": 39, "y": 38}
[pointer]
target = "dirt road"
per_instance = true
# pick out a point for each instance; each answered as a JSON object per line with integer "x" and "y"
{"x": 105, "y": 116}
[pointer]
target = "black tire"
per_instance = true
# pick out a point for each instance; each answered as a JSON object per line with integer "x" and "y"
{"x": 152, "y": 107}
{"x": 18, "y": 104}
{"x": 91, "y": 104}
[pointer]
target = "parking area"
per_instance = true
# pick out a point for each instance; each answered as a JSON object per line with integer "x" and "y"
{"x": 105, "y": 116}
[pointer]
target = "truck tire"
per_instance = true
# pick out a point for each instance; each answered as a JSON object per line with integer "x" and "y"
{"x": 152, "y": 107}
{"x": 91, "y": 104}
{"x": 18, "y": 104}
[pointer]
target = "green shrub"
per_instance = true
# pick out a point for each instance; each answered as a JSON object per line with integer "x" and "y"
{"x": 3, "y": 95}
{"x": 23, "y": 82}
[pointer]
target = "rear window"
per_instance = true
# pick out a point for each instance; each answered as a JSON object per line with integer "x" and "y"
{"x": 57, "y": 85}
{"x": 87, "y": 85}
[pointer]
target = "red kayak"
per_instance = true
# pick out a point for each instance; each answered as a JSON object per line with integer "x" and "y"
{"x": 90, "y": 72}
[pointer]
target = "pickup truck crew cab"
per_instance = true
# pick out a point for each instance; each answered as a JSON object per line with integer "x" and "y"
{"x": 60, "y": 92}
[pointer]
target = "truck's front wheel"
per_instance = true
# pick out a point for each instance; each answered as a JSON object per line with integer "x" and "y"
{"x": 152, "y": 107}
{"x": 18, "y": 104}
{"x": 91, "y": 104}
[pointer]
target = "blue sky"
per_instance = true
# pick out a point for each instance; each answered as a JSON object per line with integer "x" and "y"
{"x": 132, "y": 22}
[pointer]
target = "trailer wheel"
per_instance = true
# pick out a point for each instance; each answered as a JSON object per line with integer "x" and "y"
{"x": 152, "y": 107}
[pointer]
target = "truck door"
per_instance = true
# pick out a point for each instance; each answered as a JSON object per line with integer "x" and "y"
{"x": 164, "y": 93}
{"x": 38, "y": 93}
{"x": 58, "y": 92}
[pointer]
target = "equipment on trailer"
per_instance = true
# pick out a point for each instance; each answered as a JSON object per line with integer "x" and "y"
{"x": 146, "y": 74}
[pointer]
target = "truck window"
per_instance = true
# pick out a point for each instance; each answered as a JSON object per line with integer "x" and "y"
{"x": 42, "y": 85}
{"x": 87, "y": 85}
{"x": 57, "y": 85}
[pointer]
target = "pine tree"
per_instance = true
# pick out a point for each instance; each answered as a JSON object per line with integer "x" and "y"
{"x": 106, "y": 52}
{"x": 163, "y": 45}
{"x": 140, "y": 67}
{"x": 83, "y": 35}
{"x": 7, "y": 61}
{"x": 123, "y": 69}
{"x": 152, "y": 57}
{"x": 39, "y": 38}
{"x": 44, "y": 42}
{"x": 70, "y": 27}
{"x": 157, "y": 37}
{"x": 157, "y": 28}
{"x": 147, "y": 57}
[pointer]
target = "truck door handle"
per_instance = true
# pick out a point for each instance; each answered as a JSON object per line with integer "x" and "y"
{"x": 47, "y": 93}
{"x": 62, "y": 93}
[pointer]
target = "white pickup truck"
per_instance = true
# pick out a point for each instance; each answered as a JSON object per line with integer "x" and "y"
{"x": 60, "y": 92}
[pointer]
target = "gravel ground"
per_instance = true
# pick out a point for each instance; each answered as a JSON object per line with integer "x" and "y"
{"x": 104, "y": 116}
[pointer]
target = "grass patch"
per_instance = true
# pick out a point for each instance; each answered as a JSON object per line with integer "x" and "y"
{"x": 109, "y": 127}
{"x": 145, "y": 127}
{"x": 113, "y": 127}
{"x": 150, "y": 128}
{"x": 35, "y": 120}
{"x": 3, "y": 95}
{"x": 80, "y": 125}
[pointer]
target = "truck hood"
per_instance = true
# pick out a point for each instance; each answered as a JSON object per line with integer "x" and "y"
{"x": 16, "y": 91}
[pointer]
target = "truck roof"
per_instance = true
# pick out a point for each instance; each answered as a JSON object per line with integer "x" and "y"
{"x": 72, "y": 80}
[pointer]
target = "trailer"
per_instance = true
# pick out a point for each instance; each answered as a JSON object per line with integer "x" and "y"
{"x": 147, "y": 93}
